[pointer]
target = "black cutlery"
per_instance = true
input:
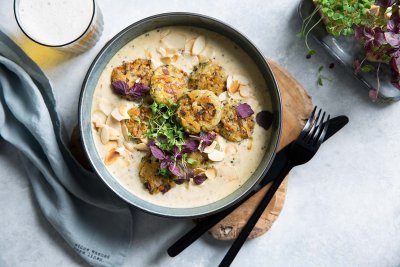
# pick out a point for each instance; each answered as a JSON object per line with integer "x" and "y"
{"x": 301, "y": 151}
{"x": 278, "y": 165}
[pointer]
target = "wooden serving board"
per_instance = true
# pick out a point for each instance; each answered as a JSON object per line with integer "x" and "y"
{"x": 296, "y": 107}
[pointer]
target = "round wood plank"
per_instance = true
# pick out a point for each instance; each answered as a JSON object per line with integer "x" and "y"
{"x": 296, "y": 107}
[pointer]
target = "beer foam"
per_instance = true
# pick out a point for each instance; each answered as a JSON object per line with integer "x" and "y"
{"x": 55, "y": 22}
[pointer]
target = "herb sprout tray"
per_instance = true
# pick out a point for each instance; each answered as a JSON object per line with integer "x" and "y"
{"x": 346, "y": 50}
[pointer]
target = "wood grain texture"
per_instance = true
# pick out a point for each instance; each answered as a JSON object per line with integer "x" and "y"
{"x": 296, "y": 107}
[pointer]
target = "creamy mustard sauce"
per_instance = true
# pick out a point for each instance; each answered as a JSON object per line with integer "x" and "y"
{"x": 241, "y": 159}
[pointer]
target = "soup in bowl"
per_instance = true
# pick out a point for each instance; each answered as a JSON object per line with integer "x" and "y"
{"x": 180, "y": 115}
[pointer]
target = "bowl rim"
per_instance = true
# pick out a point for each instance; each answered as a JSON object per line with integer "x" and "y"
{"x": 185, "y": 212}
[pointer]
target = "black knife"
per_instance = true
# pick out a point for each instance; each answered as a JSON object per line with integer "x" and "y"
{"x": 279, "y": 162}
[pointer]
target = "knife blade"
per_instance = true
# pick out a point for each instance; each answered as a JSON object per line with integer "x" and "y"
{"x": 278, "y": 164}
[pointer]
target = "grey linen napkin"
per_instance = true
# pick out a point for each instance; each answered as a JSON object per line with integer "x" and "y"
{"x": 91, "y": 219}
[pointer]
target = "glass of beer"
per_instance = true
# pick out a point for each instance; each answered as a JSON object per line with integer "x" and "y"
{"x": 69, "y": 25}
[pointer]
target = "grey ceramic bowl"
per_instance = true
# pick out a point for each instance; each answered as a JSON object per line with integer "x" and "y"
{"x": 112, "y": 47}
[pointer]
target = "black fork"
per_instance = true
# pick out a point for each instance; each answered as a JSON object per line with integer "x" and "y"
{"x": 301, "y": 151}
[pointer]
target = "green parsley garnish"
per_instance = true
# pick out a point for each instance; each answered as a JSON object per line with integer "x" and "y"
{"x": 322, "y": 77}
{"x": 163, "y": 127}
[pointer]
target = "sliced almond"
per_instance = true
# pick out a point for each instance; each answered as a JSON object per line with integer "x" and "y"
{"x": 206, "y": 54}
{"x": 234, "y": 87}
{"x": 210, "y": 148}
{"x": 245, "y": 91}
{"x": 221, "y": 142}
{"x": 211, "y": 173}
{"x": 175, "y": 57}
{"x": 156, "y": 62}
{"x": 193, "y": 60}
{"x": 129, "y": 146}
{"x": 241, "y": 79}
{"x": 216, "y": 155}
{"x": 148, "y": 54}
{"x": 113, "y": 134}
{"x": 174, "y": 40}
{"x": 125, "y": 132}
{"x": 141, "y": 147}
{"x": 98, "y": 119}
{"x": 106, "y": 108}
{"x": 229, "y": 81}
{"x": 144, "y": 140}
{"x": 186, "y": 62}
{"x": 171, "y": 51}
{"x": 113, "y": 123}
{"x": 161, "y": 50}
{"x": 223, "y": 96}
{"x": 188, "y": 46}
{"x": 123, "y": 109}
{"x": 120, "y": 150}
{"x": 235, "y": 95}
{"x": 111, "y": 157}
{"x": 164, "y": 32}
{"x": 116, "y": 114}
{"x": 231, "y": 149}
{"x": 199, "y": 45}
{"x": 170, "y": 59}
{"x": 166, "y": 60}
{"x": 105, "y": 135}
{"x": 120, "y": 142}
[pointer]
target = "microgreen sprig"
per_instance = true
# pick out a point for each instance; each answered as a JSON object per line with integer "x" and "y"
{"x": 163, "y": 127}
{"x": 322, "y": 77}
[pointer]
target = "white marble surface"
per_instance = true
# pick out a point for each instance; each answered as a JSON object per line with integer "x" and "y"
{"x": 342, "y": 209}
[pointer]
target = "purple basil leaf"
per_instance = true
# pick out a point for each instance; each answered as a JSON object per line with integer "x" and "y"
{"x": 373, "y": 39}
{"x": 393, "y": 24}
{"x": 189, "y": 173}
{"x": 166, "y": 188}
{"x": 190, "y": 146}
{"x": 138, "y": 90}
{"x": 373, "y": 94}
{"x": 165, "y": 163}
{"x": 379, "y": 37}
{"x": 157, "y": 152}
{"x": 395, "y": 64}
{"x": 244, "y": 110}
{"x": 176, "y": 152}
{"x": 120, "y": 87}
{"x": 357, "y": 68}
{"x": 174, "y": 169}
{"x": 206, "y": 139}
{"x": 199, "y": 179}
{"x": 264, "y": 119}
{"x": 385, "y": 3}
{"x": 180, "y": 181}
{"x": 393, "y": 39}
{"x": 359, "y": 33}
{"x": 147, "y": 185}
